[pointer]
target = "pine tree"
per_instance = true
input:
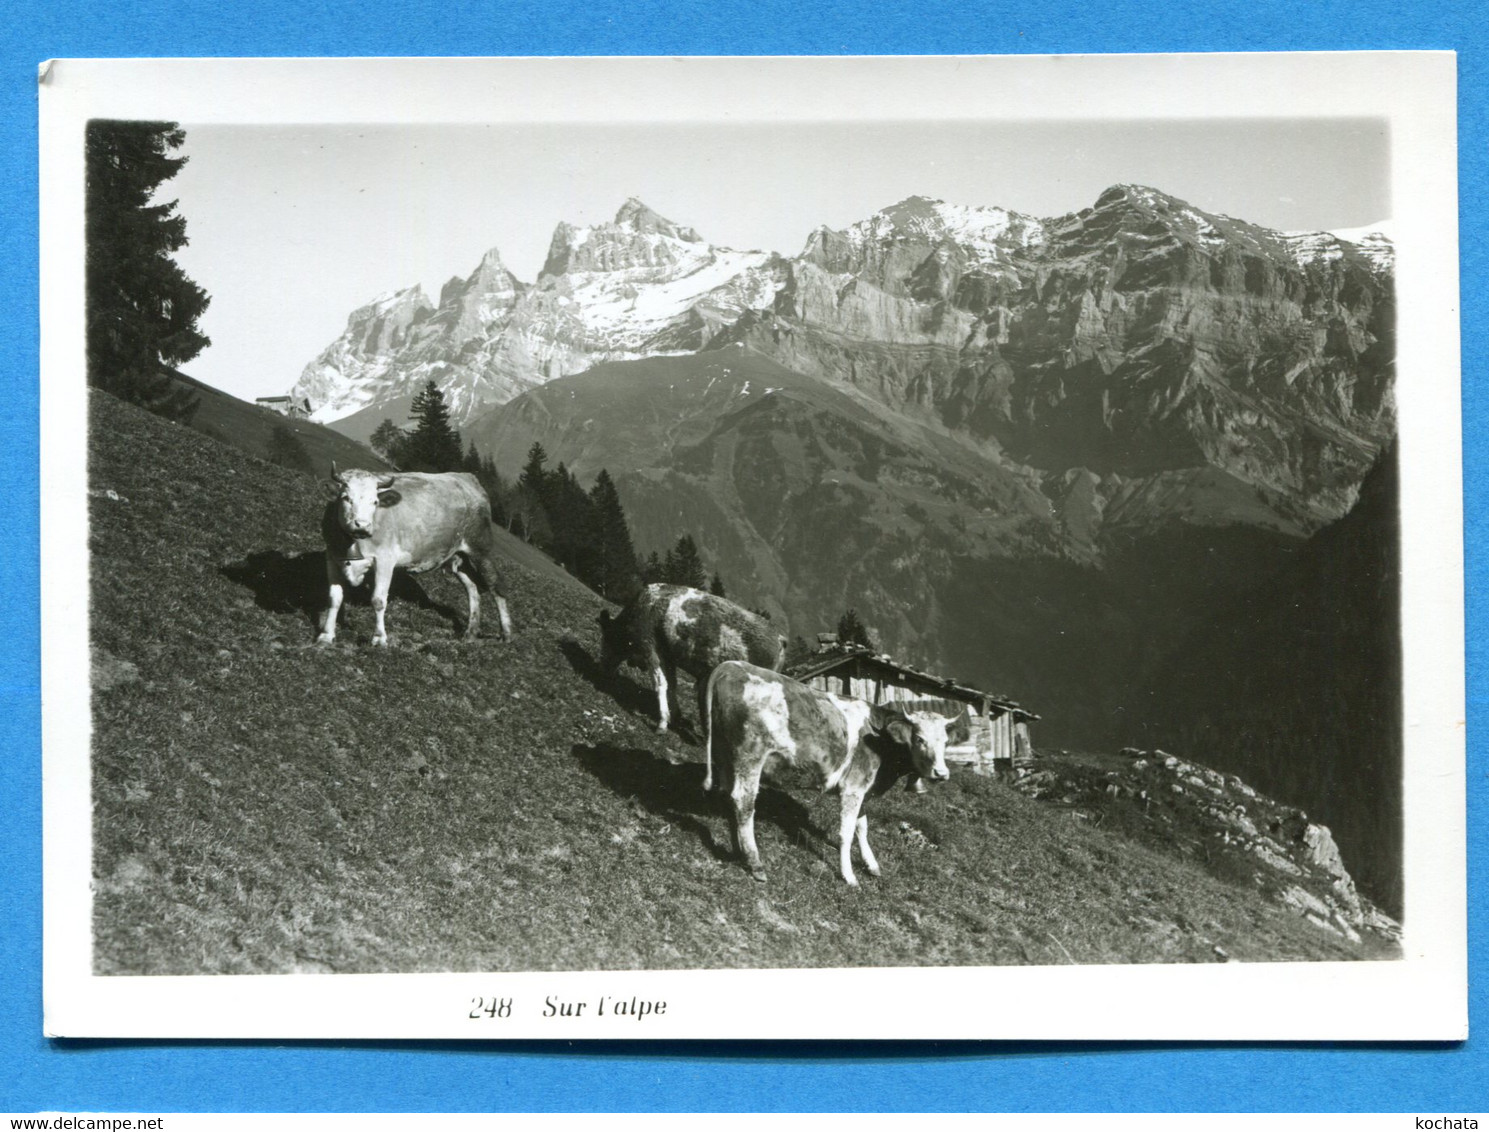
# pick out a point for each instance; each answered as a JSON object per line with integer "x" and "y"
{"x": 287, "y": 450}
{"x": 685, "y": 565}
{"x": 653, "y": 570}
{"x": 798, "y": 652}
{"x": 615, "y": 553}
{"x": 142, "y": 309}
{"x": 852, "y": 631}
{"x": 716, "y": 587}
{"x": 572, "y": 517}
{"x": 388, "y": 441}
{"x": 434, "y": 444}
{"x": 535, "y": 471}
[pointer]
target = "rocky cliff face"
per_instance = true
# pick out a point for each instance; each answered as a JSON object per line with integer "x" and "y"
{"x": 1219, "y": 822}
{"x": 639, "y": 286}
{"x": 1138, "y": 337}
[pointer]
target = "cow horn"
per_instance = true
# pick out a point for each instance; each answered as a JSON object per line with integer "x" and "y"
{"x": 383, "y": 485}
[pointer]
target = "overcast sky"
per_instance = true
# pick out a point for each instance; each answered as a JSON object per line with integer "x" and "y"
{"x": 293, "y": 228}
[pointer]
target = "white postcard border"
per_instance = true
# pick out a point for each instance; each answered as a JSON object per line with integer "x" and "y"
{"x": 1423, "y": 996}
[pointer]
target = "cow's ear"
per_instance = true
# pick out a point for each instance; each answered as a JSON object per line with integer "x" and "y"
{"x": 881, "y": 716}
{"x": 604, "y": 618}
{"x": 388, "y": 498}
{"x": 900, "y": 732}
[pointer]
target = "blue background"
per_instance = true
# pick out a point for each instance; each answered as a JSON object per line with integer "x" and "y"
{"x": 36, "y": 1074}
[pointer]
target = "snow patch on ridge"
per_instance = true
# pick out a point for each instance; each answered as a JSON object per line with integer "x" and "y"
{"x": 1375, "y": 242}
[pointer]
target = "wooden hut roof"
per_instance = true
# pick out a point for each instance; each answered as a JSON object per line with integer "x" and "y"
{"x": 828, "y": 660}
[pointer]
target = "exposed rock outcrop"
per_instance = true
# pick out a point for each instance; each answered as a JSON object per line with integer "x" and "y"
{"x": 1216, "y": 820}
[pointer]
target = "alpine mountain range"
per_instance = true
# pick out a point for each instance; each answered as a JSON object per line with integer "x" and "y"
{"x": 1133, "y": 465}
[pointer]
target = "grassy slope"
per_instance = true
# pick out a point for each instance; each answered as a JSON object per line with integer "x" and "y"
{"x": 298, "y": 444}
{"x": 261, "y": 805}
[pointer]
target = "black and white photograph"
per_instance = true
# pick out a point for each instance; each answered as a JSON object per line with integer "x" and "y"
{"x": 985, "y": 522}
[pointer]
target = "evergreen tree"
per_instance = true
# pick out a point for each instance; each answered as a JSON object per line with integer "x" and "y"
{"x": 287, "y": 450}
{"x": 535, "y": 471}
{"x": 572, "y": 517}
{"x": 685, "y": 565}
{"x": 142, "y": 309}
{"x": 434, "y": 444}
{"x": 653, "y": 569}
{"x": 525, "y": 516}
{"x": 496, "y": 487}
{"x": 388, "y": 441}
{"x": 615, "y": 553}
{"x": 798, "y": 652}
{"x": 852, "y": 631}
{"x": 716, "y": 587}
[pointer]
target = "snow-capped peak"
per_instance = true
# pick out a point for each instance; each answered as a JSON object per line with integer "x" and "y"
{"x": 981, "y": 229}
{"x": 1375, "y": 242}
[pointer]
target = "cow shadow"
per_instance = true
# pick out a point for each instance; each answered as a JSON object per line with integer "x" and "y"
{"x": 296, "y": 583}
{"x": 674, "y": 792}
{"x": 635, "y": 698}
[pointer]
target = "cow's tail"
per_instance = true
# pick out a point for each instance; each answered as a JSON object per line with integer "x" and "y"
{"x": 707, "y": 722}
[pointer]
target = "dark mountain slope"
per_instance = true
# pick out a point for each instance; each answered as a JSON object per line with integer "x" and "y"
{"x": 263, "y": 805}
{"x": 1296, "y": 685}
{"x": 809, "y": 499}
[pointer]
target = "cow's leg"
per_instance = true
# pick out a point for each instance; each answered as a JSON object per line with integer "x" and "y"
{"x": 382, "y": 581}
{"x": 504, "y": 617}
{"x": 852, "y": 801}
{"x": 672, "y": 707}
{"x": 743, "y": 793}
{"x": 863, "y": 846}
{"x": 473, "y": 618}
{"x": 703, "y": 720}
{"x": 916, "y": 785}
{"x": 328, "y": 625}
{"x": 664, "y": 693}
{"x": 485, "y": 562}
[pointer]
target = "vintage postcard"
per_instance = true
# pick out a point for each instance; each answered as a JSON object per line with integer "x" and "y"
{"x": 753, "y": 548}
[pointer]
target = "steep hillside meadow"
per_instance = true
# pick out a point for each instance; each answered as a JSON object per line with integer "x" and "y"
{"x": 262, "y": 805}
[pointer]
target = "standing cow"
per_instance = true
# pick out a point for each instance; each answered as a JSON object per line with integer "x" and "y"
{"x": 756, "y": 715}
{"x": 664, "y": 628}
{"x": 412, "y": 521}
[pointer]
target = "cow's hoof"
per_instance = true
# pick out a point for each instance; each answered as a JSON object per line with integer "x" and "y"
{"x": 323, "y": 640}
{"x": 852, "y": 881}
{"x": 380, "y": 642}
{"x": 758, "y": 875}
{"x": 917, "y": 787}
{"x": 873, "y": 870}
{"x": 661, "y": 729}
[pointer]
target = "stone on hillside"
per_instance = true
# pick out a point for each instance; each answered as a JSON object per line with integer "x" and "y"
{"x": 110, "y": 671}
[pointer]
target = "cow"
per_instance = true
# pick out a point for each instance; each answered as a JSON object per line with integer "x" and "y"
{"x": 664, "y": 628}
{"x": 411, "y": 521}
{"x": 756, "y": 716}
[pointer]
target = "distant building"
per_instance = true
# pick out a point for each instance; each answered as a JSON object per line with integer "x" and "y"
{"x": 297, "y": 408}
{"x": 994, "y": 731}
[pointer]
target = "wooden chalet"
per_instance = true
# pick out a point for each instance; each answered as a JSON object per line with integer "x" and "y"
{"x": 296, "y": 408}
{"x": 995, "y": 731}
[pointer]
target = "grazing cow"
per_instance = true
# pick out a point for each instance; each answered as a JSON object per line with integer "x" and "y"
{"x": 756, "y": 715}
{"x": 664, "y": 628}
{"x": 409, "y": 521}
